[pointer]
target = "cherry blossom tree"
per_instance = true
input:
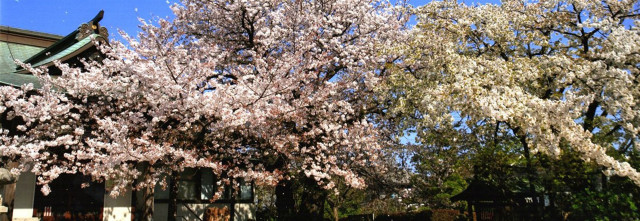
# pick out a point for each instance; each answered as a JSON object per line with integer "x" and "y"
{"x": 254, "y": 90}
{"x": 555, "y": 74}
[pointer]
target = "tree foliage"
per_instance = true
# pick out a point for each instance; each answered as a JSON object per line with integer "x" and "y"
{"x": 551, "y": 74}
{"x": 250, "y": 89}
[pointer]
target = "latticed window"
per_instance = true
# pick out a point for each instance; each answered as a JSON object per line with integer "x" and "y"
{"x": 200, "y": 185}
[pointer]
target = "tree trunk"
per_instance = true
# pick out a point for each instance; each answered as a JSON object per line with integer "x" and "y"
{"x": 147, "y": 204}
{"x": 285, "y": 204}
{"x": 145, "y": 196}
{"x": 336, "y": 216}
{"x": 313, "y": 199}
{"x": 531, "y": 177}
{"x": 173, "y": 197}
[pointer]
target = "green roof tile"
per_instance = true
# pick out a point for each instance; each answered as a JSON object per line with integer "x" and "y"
{"x": 8, "y": 75}
{"x": 11, "y": 51}
{"x": 68, "y": 51}
{"x": 15, "y": 79}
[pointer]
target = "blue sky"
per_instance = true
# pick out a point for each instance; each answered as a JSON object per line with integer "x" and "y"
{"x": 63, "y": 16}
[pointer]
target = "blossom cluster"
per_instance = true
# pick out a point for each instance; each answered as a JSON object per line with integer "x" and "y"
{"x": 250, "y": 89}
{"x": 556, "y": 73}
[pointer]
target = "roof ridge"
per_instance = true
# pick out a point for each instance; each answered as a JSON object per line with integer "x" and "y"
{"x": 30, "y": 32}
{"x": 75, "y": 36}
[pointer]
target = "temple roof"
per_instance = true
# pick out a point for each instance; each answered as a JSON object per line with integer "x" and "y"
{"x": 42, "y": 49}
{"x": 21, "y": 44}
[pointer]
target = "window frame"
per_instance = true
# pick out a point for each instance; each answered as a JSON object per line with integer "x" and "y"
{"x": 197, "y": 180}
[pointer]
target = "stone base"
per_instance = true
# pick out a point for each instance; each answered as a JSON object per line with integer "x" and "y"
{"x": 27, "y": 219}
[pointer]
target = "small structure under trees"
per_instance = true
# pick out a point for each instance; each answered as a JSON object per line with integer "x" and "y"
{"x": 490, "y": 202}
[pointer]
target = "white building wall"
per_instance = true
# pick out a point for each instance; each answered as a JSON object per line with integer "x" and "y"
{"x": 117, "y": 209}
{"x": 191, "y": 211}
{"x": 245, "y": 212}
{"x": 24, "y": 195}
{"x": 195, "y": 211}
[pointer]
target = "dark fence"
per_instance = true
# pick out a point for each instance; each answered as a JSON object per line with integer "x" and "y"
{"x": 427, "y": 215}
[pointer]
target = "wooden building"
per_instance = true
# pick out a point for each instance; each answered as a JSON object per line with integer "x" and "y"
{"x": 490, "y": 202}
{"x": 68, "y": 201}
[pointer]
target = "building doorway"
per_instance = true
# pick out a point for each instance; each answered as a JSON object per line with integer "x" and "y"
{"x": 69, "y": 201}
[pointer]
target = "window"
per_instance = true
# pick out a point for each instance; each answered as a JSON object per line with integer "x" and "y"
{"x": 246, "y": 191}
{"x": 188, "y": 184}
{"x": 200, "y": 185}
